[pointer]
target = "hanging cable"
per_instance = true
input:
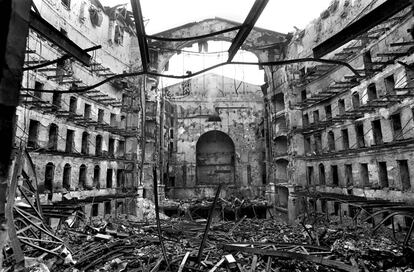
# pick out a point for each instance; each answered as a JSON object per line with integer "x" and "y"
{"x": 269, "y": 63}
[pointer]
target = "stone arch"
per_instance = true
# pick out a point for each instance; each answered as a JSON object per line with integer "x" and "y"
{"x": 215, "y": 158}
{"x": 49, "y": 176}
{"x": 257, "y": 40}
{"x": 322, "y": 174}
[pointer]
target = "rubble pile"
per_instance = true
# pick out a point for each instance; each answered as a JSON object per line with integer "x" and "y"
{"x": 244, "y": 245}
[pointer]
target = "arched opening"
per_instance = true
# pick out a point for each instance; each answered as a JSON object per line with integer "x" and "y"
{"x": 96, "y": 176}
{"x": 98, "y": 145}
{"x": 82, "y": 177}
{"x": 73, "y": 105}
{"x": 281, "y": 145}
{"x": 53, "y": 137}
{"x": 355, "y": 100}
{"x": 281, "y": 170}
{"x": 191, "y": 59}
{"x": 283, "y": 196}
{"x": 49, "y": 176}
{"x": 322, "y": 178}
{"x": 279, "y": 102}
{"x": 215, "y": 158}
{"x": 85, "y": 143}
{"x": 280, "y": 127}
{"x": 66, "y": 176}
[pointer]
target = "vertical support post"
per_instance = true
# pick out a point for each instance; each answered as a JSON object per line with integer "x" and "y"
{"x": 266, "y": 131}
{"x": 210, "y": 217}
{"x": 157, "y": 216}
{"x": 14, "y": 28}
{"x": 143, "y": 123}
{"x": 161, "y": 147}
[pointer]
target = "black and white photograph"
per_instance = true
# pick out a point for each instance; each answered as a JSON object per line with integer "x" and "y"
{"x": 206, "y": 135}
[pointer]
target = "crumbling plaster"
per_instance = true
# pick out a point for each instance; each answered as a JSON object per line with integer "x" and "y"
{"x": 240, "y": 111}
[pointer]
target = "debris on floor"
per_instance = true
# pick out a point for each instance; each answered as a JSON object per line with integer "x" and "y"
{"x": 246, "y": 245}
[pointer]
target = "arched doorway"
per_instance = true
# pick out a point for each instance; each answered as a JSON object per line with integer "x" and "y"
{"x": 215, "y": 158}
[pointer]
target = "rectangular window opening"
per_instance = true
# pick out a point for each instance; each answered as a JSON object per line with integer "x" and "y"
{"x": 316, "y": 116}
{"x": 389, "y": 84}
{"x": 359, "y": 130}
{"x": 328, "y": 112}
{"x": 349, "y": 180}
{"x": 95, "y": 209}
{"x": 404, "y": 174}
{"x": 335, "y": 176}
{"x": 383, "y": 175}
{"x": 69, "y": 141}
{"x": 396, "y": 126}
{"x": 345, "y": 139}
{"x": 107, "y": 207}
{"x": 33, "y": 134}
{"x": 310, "y": 175}
{"x": 87, "y": 111}
{"x": 364, "y": 174}
{"x": 341, "y": 106}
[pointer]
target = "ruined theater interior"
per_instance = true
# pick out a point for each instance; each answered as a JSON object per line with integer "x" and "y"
{"x": 189, "y": 135}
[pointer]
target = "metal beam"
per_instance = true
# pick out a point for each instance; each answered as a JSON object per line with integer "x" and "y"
{"x": 40, "y": 25}
{"x": 373, "y": 18}
{"x": 247, "y": 26}
{"x": 142, "y": 40}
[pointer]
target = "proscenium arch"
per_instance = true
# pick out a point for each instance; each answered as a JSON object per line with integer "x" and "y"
{"x": 257, "y": 39}
{"x": 215, "y": 158}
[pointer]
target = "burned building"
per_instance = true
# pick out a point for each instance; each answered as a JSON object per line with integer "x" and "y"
{"x": 83, "y": 145}
{"x": 218, "y": 139}
{"x": 128, "y": 151}
{"x": 344, "y": 133}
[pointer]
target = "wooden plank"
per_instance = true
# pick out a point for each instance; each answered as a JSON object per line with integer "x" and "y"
{"x": 378, "y": 15}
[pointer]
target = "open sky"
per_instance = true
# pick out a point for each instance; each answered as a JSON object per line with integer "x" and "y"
{"x": 279, "y": 15}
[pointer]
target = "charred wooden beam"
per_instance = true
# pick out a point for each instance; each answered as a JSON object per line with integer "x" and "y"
{"x": 141, "y": 36}
{"x": 44, "y": 28}
{"x": 247, "y": 26}
{"x": 357, "y": 28}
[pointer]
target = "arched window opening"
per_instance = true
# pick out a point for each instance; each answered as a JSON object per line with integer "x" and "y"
{"x": 322, "y": 177}
{"x": 96, "y": 177}
{"x": 355, "y": 100}
{"x": 67, "y": 169}
{"x": 73, "y": 105}
{"x": 82, "y": 177}
{"x": 49, "y": 176}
